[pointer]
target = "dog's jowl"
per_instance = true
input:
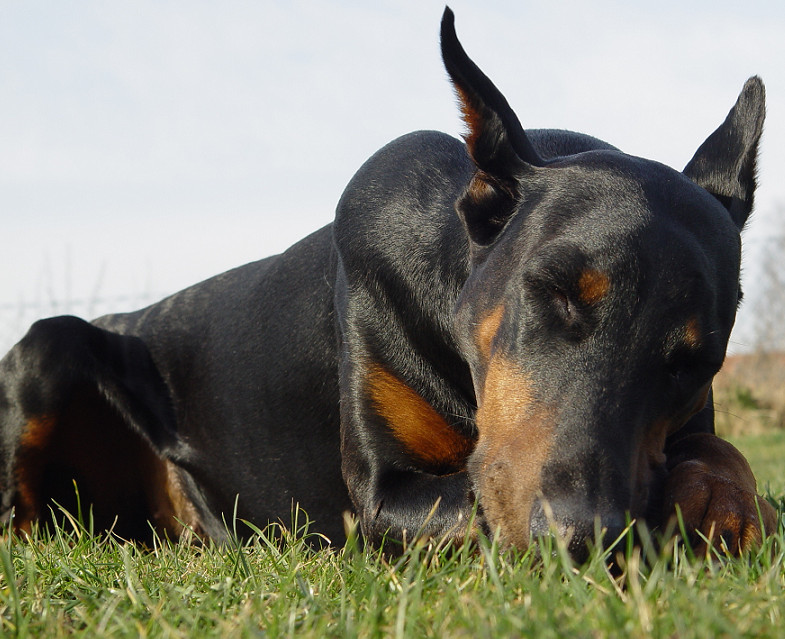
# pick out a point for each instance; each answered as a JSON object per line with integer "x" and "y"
{"x": 525, "y": 324}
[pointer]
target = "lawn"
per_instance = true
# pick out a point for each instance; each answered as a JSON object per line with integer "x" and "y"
{"x": 766, "y": 454}
{"x": 70, "y": 582}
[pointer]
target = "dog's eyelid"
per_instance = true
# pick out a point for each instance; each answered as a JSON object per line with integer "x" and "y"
{"x": 685, "y": 363}
{"x": 546, "y": 285}
{"x": 550, "y": 280}
{"x": 539, "y": 283}
{"x": 562, "y": 299}
{"x": 555, "y": 295}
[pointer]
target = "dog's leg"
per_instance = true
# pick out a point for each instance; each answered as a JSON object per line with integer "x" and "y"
{"x": 714, "y": 487}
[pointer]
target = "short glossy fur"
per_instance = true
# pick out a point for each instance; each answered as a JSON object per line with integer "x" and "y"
{"x": 530, "y": 321}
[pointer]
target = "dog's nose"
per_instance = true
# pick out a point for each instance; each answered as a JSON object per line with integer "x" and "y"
{"x": 581, "y": 529}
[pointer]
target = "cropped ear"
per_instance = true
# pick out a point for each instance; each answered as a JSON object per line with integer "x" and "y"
{"x": 495, "y": 141}
{"x": 724, "y": 164}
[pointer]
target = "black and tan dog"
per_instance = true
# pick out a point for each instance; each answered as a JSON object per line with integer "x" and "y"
{"x": 530, "y": 321}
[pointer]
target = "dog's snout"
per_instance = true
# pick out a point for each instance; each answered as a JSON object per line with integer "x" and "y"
{"x": 578, "y": 527}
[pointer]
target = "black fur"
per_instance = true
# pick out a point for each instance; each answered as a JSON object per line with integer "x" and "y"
{"x": 296, "y": 378}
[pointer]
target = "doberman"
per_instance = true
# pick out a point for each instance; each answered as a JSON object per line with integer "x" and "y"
{"x": 527, "y": 323}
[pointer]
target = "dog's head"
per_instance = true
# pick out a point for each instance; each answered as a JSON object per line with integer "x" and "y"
{"x": 602, "y": 293}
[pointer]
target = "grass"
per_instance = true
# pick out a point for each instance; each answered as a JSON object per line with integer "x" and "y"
{"x": 70, "y": 581}
{"x": 766, "y": 454}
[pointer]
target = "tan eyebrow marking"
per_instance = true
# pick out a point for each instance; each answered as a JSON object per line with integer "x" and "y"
{"x": 692, "y": 332}
{"x": 593, "y": 286}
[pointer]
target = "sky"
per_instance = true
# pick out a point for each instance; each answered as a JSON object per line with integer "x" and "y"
{"x": 146, "y": 146}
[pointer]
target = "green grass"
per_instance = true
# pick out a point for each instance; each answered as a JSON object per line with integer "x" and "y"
{"x": 69, "y": 582}
{"x": 766, "y": 454}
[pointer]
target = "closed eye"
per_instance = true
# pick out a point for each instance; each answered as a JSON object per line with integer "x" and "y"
{"x": 563, "y": 304}
{"x": 687, "y": 373}
{"x": 559, "y": 307}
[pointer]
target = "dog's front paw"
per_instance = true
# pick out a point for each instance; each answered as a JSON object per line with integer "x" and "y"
{"x": 732, "y": 518}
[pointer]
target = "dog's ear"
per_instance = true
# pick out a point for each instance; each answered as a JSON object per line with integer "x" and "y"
{"x": 724, "y": 164}
{"x": 495, "y": 141}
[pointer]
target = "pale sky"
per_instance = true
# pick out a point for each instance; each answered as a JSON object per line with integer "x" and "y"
{"x": 145, "y": 146}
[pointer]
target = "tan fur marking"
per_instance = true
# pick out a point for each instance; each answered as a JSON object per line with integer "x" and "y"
{"x": 170, "y": 508}
{"x": 471, "y": 117}
{"x": 593, "y": 286}
{"x": 37, "y": 433}
{"x": 515, "y": 439}
{"x": 31, "y": 459}
{"x": 480, "y": 189}
{"x": 505, "y": 398}
{"x": 415, "y": 423}
{"x": 116, "y": 470}
{"x": 487, "y": 330}
{"x": 715, "y": 488}
{"x": 692, "y": 333}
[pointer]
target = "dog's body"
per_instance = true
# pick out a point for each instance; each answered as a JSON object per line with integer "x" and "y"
{"x": 549, "y": 347}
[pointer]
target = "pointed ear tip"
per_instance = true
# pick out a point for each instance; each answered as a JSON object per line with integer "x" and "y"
{"x": 754, "y": 89}
{"x": 754, "y": 81}
{"x": 450, "y": 46}
{"x": 448, "y": 23}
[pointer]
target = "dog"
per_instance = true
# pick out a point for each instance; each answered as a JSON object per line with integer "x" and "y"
{"x": 513, "y": 334}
